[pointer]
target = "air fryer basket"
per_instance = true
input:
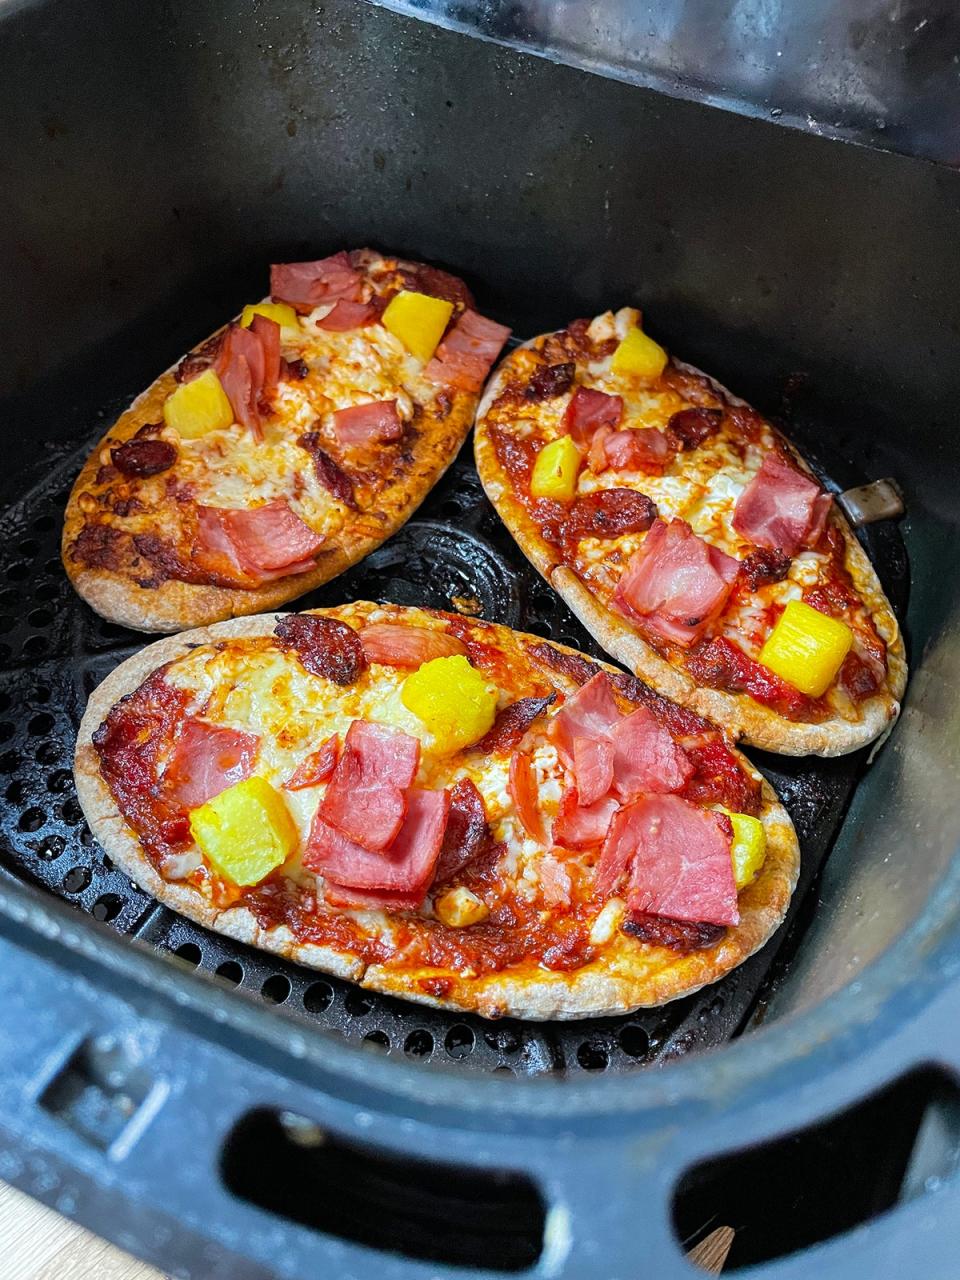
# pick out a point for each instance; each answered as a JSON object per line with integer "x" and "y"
{"x": 156, "y": 175}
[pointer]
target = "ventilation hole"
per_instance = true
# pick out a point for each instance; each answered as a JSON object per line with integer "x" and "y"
{"x": 7, "y": 623}
{"x": 48, "y": 753}
{"x": 44, "y": 522}
{"x": 544, "y": 603}
{"x": 107, "y": 907}
{"x": 15, "y": 792}
{"x": 60, "y": 781}
{"x": 35, "y": 646}
{"x": 189, "y": 952}
{"x": 41, "y": 693}
{"x": 28, "y": 547}
{"x": 503, "y": 1070}
{"x": 358, "y": 1003}
{"x": 801, "y": 1188}
{"x": 51, "y": 847}
{"x": 40, "y": 618}
{"x": 86, "y": 836}
{"x": 634, "y": 1041}
{"x": 32, "y": 819}
{"x": 9, "y": 762}
{"x": 317, "y": 997}
{"x": 276, "y": 988}
{"x": 17, "y": 572}
{"x": 230, "y": 972}
{"x": 390, "y": 1204}
{"x": 70, "y": 811}
{"x": 504, "y": 1040}
{"x": 76, "y": 880}
{"x": 48, "y": 591}
{"x": 5, "y": 701}
{"x": 592, "y": 1056}
{"x": 7, "y": 731}
{"x": 40, "y": 725}
{"x": 418, "y": 1043}
{"x": 459, "y": 1041}
{"x": 5, "y": 652}
{"x": 10, "y": 598}
{"x": 571, "y": 641}
{"x": 107, "y": 863}
{"x": 377, "y": 1040}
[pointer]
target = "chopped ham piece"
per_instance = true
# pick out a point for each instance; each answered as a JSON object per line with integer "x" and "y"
{"x": 588, "y": 410}
{"x": 523, "y": 791}
{"x": 206, "y": 760}
{"x": 590, "y": 713}
{"x": 241, "y": 368}
{"x": 678, "y": 857}
{"x": 676, "y": 584}
{"x": 317, "y": 767}
{"x": 579, "y": 826}
{"x": 638, "y": 449}
{"x": 645, "y": 757}
{"x": 268, "y": 335}
{"x": 396, "y": 645}
{"x": 365, "y": 797}
{"x": 597, "y": 453}
{"x": 348, "y": 315}
{"x": 255, "y": 545}
{"x": 268, "y": 541}
{"x": 405, "y": 868}
{"x": 465, "y": 355}
{"x": 580, "y": 731}
{"x": 376, "y": 422}
{"x": 306, "y": 285}
{"x": 338, "y": 895}
{"x": 682, "y": 867}
{"x": 593, "y": 766}
{"x": 781, "y": 508}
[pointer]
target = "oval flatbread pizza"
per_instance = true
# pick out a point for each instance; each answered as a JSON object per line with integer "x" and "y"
{"x": 690, "y": 538}
{"x": 283, "y": 449}
{"x": 436, "y": 807}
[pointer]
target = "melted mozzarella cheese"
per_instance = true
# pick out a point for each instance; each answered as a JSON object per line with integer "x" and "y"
{"x": 229, "y": 468}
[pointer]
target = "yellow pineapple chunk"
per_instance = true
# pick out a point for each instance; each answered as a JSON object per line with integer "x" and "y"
{"x": 638, "y": 356}
{"x": 245, "y": 832}
{"x": 555, "y": 470}
{"x": 454, "y": 701}
{"x": 459, "y": 908}
{"x": 749, "y": 847}
{"x": 418, "y": 321}
{"x": 198, "y": 406}
{"x": 281, "y": 312}
{"x": 806, "y": 648}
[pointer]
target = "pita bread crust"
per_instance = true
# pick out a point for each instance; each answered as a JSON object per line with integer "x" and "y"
{"x": 174, "y": 605}
{"x": 746, "y": 720}
{"x": 626, "y": 976}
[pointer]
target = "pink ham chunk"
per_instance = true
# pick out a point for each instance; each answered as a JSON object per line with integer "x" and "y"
{"x": 782, "y": 508}
{"x": 676, "y": 584}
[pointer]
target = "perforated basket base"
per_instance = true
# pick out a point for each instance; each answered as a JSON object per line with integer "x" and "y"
{"x": 455, "y": 551}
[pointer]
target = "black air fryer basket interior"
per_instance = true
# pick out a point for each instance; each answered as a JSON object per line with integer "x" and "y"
{"x": 159, "y": 166}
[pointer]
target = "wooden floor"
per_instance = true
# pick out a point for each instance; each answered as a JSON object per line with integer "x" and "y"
{"x": 37, "y": 1244}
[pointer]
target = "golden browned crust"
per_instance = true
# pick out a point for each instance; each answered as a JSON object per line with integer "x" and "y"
{"x": 745, "y": 719}
{"x": 627, "y": 975}
{"x": 174, "y": 605}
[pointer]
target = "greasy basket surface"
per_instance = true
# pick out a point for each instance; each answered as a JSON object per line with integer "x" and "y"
{"x": 454, "y": 553}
